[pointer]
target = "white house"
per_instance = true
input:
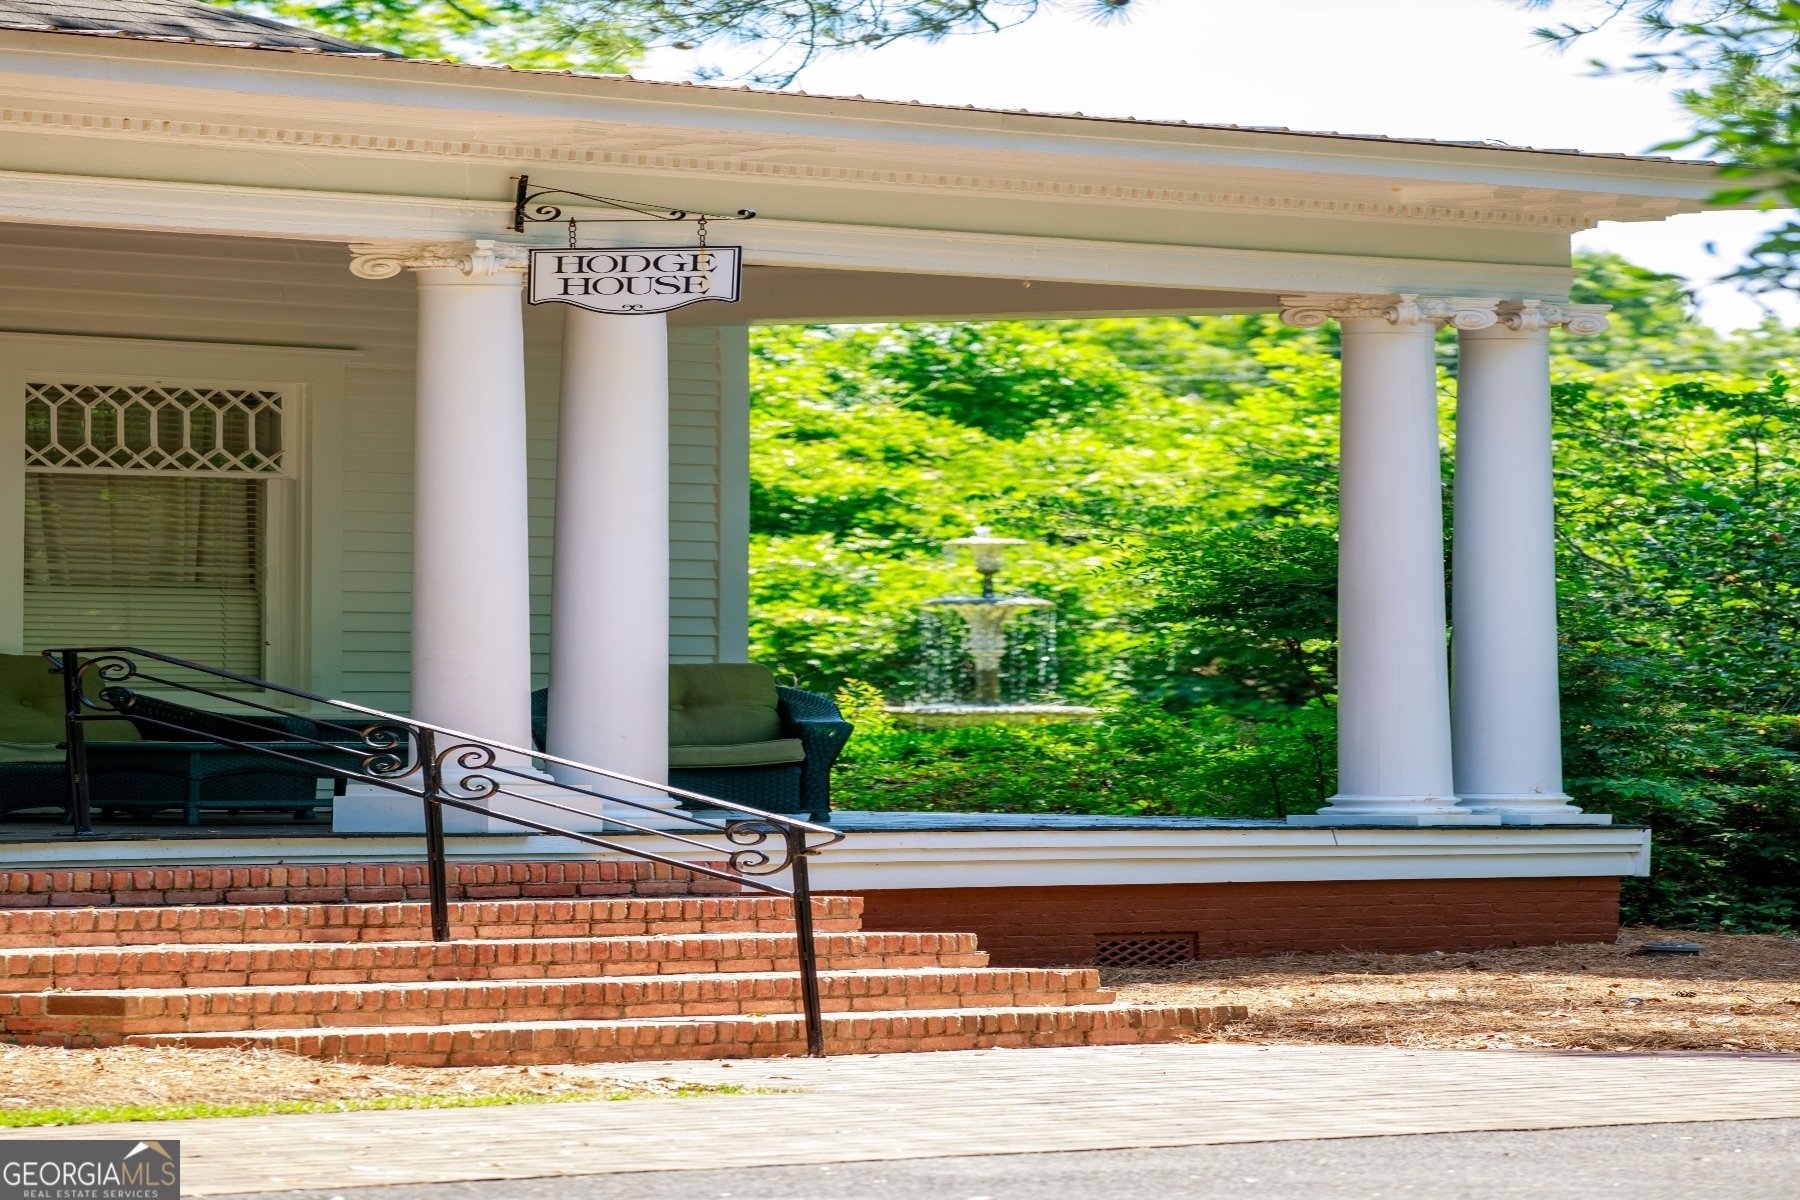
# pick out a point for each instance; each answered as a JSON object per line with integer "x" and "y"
{"x": 421, "y": 494}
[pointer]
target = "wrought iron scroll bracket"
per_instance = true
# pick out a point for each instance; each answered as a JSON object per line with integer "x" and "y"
{"x": 530, "y": 207}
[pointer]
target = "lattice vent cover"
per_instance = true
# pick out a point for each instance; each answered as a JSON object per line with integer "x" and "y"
{"x": 90, "y": 426}
{"x": 1144, "y": 950}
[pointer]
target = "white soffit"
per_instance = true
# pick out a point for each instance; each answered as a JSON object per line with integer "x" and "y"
{"x": 537, "y": 122}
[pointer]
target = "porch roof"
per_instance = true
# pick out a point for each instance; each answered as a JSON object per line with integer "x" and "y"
{"x": 138, "y": 131}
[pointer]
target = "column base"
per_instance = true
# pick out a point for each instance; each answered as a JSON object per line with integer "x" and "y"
{"x": 663, "y": 809}
{"x": 1327, "y": 817}
{"x": 1393, "y": 810}
{"x": 365, "y": 808}
{"x": 1533, "y": 808}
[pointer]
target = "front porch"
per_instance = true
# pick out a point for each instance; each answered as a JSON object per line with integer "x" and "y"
{"x": 1038, "y": 890}
{"x": 276, "y": 404}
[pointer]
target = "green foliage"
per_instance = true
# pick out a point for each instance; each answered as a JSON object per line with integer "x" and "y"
{"x": 863, "y": 464}
{"x": 1139, "y": 760}
{"x": 1653, "y": 331}
{"x": 535, "y": 34}
{"x": 1176, "y": 480}
{"x": 1681, "y": 606}
{"x": 1744, "y": 59}
{"x": 1250, "y": 605}
{"x": 609, "y": 35}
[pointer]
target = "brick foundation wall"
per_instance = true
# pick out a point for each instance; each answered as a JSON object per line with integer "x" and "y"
{"x": 351, "y": 883}
{"x": 1057, "y": 926}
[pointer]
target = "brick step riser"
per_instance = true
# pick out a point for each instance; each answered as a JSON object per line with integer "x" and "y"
{"x": 117, "y": 1014}
{"x": 509, "y": 921}
{"x": 726, "y": 1038}
{"x": 440, "y": 962}
{"x": 347, "y": 883}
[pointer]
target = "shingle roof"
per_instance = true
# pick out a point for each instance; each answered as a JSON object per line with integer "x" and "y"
{"x": 171, "y": 20}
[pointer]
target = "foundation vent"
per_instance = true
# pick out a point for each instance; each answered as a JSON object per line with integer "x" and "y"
{"x": 1142, "y": 950}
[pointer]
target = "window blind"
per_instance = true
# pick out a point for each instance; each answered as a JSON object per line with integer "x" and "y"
{"x": 168, "y": 563}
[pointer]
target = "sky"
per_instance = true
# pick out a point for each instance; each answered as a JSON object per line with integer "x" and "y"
{"x": 1452, "y": 69}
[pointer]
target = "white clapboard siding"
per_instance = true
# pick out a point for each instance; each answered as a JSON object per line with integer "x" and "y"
{"x": 253, "y": 292}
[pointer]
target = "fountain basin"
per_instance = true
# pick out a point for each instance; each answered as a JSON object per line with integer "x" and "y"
{"x": 956, "y": 716}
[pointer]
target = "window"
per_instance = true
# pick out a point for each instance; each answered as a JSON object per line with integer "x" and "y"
{"x": 170, "y": 564}
{"x": 146, "y": 518}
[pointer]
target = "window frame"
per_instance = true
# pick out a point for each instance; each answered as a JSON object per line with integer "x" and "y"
{"x": 302, "y": 601}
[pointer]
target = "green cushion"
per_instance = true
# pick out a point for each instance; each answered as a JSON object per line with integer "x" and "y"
{"x": 723, "y": 704}
{"x": 751, "y": 754}
{"x": 31, "y": 706}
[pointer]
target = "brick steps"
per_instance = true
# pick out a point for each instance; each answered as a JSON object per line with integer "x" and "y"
{"x": 109, "y": 1016}
{"x": 549, "y": 1042}
{"x": 345, "y": 883}
{"x": 404, "y": 922}
{"x": 666, "y": 969}
{"x": 107, "y": 968}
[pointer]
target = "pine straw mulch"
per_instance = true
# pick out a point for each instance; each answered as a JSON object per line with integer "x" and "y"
{"x": 37, "y": 1077}
{"x": 1741, "y": 994}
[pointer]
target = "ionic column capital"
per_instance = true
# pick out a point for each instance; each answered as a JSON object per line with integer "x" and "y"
{"x": 1532, "y": 315}
{"x": 480, "y": 259}
{"x": 1400, "y": 308}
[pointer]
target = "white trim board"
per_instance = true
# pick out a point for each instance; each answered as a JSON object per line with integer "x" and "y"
{"x": 331, "y": 216}
{"x": 868, "y": 861}
{"x": 303, "y": 591}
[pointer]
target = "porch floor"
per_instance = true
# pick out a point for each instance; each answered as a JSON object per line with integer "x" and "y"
{"x": 39, "y": 827}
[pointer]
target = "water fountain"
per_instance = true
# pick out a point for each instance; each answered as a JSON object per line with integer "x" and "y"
{"x": 985, "y": 645}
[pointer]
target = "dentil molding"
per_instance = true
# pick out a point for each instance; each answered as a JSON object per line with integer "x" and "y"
{"x": 764, "y": 163}
{"x": 1459, "y": 312}
{"x": 479, "y": 259}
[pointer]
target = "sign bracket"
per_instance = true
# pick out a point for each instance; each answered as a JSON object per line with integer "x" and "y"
{"x": 530, "y": 208}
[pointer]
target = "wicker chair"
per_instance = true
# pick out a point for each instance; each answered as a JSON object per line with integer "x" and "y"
{"x": 735, "y": 735}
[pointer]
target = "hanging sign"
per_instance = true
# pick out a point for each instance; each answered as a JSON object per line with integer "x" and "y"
{"x": 653, "y": 279}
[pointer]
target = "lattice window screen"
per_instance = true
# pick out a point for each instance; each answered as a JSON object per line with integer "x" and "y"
{"x": 145, "y": 427}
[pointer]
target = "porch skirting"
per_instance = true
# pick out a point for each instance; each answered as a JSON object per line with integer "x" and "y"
{"x": 1066, "y": 926}
{"x": 1038, "y": 890}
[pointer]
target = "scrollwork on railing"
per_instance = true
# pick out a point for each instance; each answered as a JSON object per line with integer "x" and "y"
{"x": 356, "y": 744}
{"x": 751, "y": 859}
{"x": 474, "y": 758}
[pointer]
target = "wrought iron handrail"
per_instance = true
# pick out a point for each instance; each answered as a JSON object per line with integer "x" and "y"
{"x": 412, "y": 757}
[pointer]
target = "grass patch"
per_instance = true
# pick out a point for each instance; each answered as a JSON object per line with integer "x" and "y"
{"x": 102, "y": 1114}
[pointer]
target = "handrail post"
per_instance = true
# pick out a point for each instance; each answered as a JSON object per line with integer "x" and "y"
{"x": 436, "y": 868}
{"x": 809, "y": 953}
{"x": 80, "y": 804}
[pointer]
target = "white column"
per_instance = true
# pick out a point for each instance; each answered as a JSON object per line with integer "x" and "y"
{"x": 609, "y": 616}
{"x": 1505, "y": 715}
{"x": 1394, "y": 762}
{"x": 471, "y": 570}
